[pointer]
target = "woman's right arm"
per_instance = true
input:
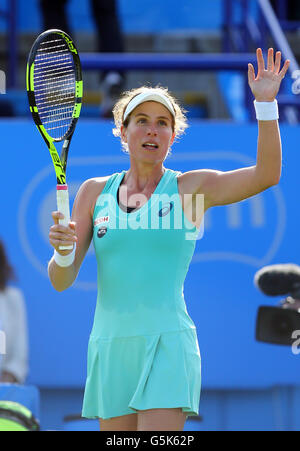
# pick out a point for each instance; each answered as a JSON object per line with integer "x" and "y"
{"x": 78, "y": 232}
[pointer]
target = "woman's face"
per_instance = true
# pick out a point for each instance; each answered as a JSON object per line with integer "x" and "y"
{"x": 149, "y": 133}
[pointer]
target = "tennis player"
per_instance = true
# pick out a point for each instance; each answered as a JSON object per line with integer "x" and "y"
{"x": 143, "y": 355}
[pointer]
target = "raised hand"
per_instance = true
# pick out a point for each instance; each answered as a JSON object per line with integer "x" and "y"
{"x": 266, "y": 84}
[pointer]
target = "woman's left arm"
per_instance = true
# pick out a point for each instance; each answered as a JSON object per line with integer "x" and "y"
{"x": 265, "y": 88}
{"x": 222, "y": 188}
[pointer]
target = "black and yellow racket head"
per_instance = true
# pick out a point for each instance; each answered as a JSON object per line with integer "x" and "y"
{"x": 54, "y": 88}
{"x": 54, "y": 84}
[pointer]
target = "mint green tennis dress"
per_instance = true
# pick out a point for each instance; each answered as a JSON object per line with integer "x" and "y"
{"x": 143, "y": 351}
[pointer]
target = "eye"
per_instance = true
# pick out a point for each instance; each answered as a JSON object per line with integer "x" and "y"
{"x": 162, "y": 122}
{"x": 141, "y": 120}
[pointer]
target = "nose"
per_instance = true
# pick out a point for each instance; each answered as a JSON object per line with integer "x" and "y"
{"x": 152, "y": 130}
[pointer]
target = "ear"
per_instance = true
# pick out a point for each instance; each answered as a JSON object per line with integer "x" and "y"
{"x": 123, "y": 134}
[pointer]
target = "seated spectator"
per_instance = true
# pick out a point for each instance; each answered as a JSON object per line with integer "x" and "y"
{"x": 13, "y": 326}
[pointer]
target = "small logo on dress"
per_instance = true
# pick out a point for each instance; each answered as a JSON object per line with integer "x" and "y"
{"x": 101, "y": 232}
{"x": 101, "y": 220}
{"x": 165, "y": 210}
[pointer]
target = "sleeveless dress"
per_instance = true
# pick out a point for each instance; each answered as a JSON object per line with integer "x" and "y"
{"x": 143, "y": 350}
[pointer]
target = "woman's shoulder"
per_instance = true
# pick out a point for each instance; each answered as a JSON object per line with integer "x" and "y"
{"x": 90, "y": 190}
{"x": 93, "y": 185}
{"x": 97, "y": 181}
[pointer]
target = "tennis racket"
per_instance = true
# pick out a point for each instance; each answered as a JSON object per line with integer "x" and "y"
{"x": 54, "y": 88}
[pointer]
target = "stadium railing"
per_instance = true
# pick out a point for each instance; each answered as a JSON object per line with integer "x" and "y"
{"x": 239, "y": 41}
{"x": 242, "y": 37}
{"x": 251, "y": 29}
{"x": 286, "y": 23}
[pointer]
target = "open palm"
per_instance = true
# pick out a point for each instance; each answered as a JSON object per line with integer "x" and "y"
{"x": 266, "y": 84}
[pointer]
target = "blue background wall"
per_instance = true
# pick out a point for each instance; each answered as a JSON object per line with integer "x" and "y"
{"x": 219, "y": 290}
{"x": 146, "y": 16}
{"x": 138, "y": 17}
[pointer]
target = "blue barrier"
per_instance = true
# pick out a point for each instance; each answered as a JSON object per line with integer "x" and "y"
{"x": 194, "y": 62}
{"x": 219, "y": 290}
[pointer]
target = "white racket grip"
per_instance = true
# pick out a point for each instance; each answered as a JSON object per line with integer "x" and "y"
{"x": 63, "y": 206}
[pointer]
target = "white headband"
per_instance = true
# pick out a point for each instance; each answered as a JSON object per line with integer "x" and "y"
{"x": 156, "y": 96}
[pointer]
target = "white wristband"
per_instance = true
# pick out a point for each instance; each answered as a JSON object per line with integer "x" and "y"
{"x": 266, "y": 111}
{"x": 64, "y": 260}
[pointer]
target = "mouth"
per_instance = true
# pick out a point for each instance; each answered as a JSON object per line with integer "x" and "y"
{"x": 150, "y": 146}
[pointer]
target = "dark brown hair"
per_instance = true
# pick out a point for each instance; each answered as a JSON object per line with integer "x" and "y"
{"x": 6, "y": 270}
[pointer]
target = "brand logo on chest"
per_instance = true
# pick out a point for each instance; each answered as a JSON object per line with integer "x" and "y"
{"x": 101, "y": 220}
{"x": 165, "y": 210}
{"x": 101, "y": 232}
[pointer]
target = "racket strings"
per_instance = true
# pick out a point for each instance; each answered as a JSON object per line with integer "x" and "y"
{"x": 52, "y": 60}
{"x": 45, "y": 75}
{"x": 54, "y": 86}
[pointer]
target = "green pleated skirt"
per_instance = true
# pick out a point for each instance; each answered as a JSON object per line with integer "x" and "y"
{"x": 127, "y": 374}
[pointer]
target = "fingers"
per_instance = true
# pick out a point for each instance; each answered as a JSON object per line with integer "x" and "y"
{"x": 260, "y": 61}
{"x": 277, "y": 66}
{"x": 284, "y": 69}
{"x": 60, "y": 235}
{"x": 277, "y": 62}
{"x": 56, "y": 215}
{"x": 270, "y": 65}
{"x": 251, "y": 73}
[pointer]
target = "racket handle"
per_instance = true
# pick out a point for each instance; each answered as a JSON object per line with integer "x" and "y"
{"x": 63, "y": 206}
